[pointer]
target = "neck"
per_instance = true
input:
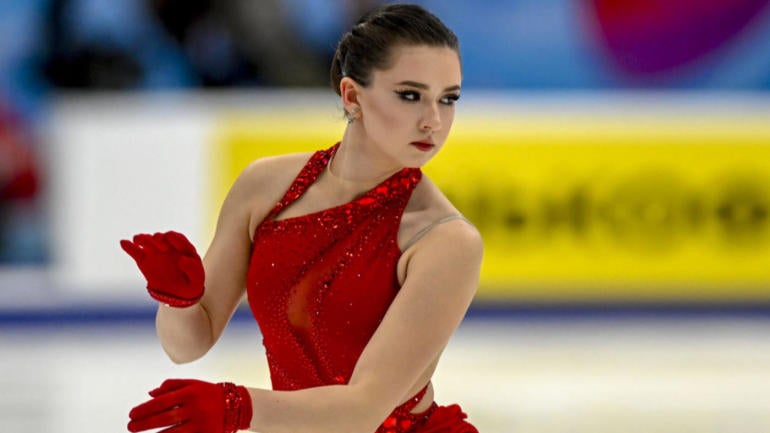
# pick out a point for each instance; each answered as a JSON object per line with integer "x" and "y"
{"x": 356, "y": 164}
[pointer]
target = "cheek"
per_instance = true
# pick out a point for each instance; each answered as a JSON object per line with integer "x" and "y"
{"x": 450, "y": 117}
{"x": 388, "y": 115}
{"x": 447, "y": 119}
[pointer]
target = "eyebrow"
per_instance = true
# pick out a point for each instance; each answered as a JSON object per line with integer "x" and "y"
{"x": 425, "y": 86}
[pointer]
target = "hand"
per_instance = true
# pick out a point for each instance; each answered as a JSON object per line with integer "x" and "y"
{"x": 173, "y": 269}
{"x": 193, "y": 406}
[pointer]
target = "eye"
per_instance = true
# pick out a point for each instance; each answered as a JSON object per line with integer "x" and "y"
{"x": 450, "y": 99}
{"x": 408, "y": 95}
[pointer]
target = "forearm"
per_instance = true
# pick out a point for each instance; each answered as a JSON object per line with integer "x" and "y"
{"x": 324, "y": 409}
{"x": 185, "y": 333}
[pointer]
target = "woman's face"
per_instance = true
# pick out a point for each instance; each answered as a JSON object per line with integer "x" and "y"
{"x": 408, "y": 109}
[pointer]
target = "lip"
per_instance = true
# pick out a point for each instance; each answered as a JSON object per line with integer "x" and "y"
{"x": 424, "y": 145}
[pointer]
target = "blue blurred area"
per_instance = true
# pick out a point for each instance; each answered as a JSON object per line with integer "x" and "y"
{"x": 146, "y": 44}
{"x": 52, "y": 45}
{"x": 556, "y": 45}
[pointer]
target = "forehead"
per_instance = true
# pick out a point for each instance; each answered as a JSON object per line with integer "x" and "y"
{"x": 439, "y": 66}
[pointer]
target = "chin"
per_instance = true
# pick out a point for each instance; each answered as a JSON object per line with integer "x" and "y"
{"x": 420, "y": 161}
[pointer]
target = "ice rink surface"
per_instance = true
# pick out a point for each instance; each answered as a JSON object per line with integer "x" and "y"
{"x": 511, "y": 375}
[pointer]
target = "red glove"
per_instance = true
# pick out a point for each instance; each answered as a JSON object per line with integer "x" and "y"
{"x": 193, "y": 406}
{"x": 171, "y": 266}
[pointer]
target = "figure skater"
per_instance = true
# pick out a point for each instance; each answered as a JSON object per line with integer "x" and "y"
{"x": 356, "y": 267}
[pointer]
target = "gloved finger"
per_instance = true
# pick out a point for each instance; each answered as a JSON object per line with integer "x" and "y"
{"x": 156, "y": 405}
{"x": 171, "y": 417}
{"x": 192, "y": 269}
{"x": 160, "y": 243}
{"x": 144, "y": 241}
{"x": 169, "y": 385}
{"x": 181, "y": 243}
{"x": 132, "y": 250}
{"x": 171, "y": 300}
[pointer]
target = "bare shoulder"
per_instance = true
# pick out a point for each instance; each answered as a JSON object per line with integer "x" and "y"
{"x": 263, "y": 183}
{"x": 263, "y": 178}
{"x": 428, "y": 206}
{"x": 436, "y": 239}
{"x": 432, "y": 224}
{"x": 457, "y": 234}
{"x": 274, "y": 169}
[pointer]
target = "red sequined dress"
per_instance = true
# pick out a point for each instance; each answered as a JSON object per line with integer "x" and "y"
{"x": 319, "y": 285}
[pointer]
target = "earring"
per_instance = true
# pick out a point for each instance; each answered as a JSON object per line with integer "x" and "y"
{"x": 352, "y": 115}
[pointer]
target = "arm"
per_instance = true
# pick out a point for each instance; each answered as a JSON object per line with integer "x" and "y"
{"x": 186, "y": 334}
{"x": 442, "y": 276}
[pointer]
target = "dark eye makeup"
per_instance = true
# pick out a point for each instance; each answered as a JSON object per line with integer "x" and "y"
{"x": 414, "y": 96}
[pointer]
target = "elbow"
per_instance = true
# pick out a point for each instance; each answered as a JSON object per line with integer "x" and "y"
{"x": 362, "y": 424}
{"x": 179, "y": 360}
{"x": 184, "y": 337}
{"x": 369, "y": 422}
{"x": 369, "y": 426}
{"x": 368, "y": 412}
{"x": 179, "y": 357}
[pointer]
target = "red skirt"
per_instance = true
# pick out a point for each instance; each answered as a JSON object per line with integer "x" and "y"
{"x": 437, "y": 419}
{"x": 447, "y": 419}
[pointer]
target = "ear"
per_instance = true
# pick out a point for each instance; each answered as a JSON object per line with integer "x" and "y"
{"x": 350, "y": 91}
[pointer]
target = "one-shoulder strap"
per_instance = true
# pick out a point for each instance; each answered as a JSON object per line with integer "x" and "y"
{"x": 430, "y": 226}
{"x": 309, "y": 173}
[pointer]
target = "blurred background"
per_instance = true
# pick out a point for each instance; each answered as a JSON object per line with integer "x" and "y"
{"x": 615, "y": 154}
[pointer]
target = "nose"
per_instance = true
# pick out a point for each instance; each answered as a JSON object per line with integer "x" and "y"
{"x": 431, "y": 120}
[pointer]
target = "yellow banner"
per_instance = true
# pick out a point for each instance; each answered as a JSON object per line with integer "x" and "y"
{"x": 584, "y": 207}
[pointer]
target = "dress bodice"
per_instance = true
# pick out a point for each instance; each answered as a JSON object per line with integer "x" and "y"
{"x": 319, "y": 284}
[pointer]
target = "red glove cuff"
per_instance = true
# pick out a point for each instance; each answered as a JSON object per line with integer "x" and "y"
{"x": 237, "y": 408}
{"x": 172, "y": 301}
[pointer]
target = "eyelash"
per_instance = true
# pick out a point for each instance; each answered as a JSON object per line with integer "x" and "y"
{"x": 412, "y": 96}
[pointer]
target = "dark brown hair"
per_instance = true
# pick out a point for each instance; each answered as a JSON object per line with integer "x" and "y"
{"x": 367, "y": 45}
